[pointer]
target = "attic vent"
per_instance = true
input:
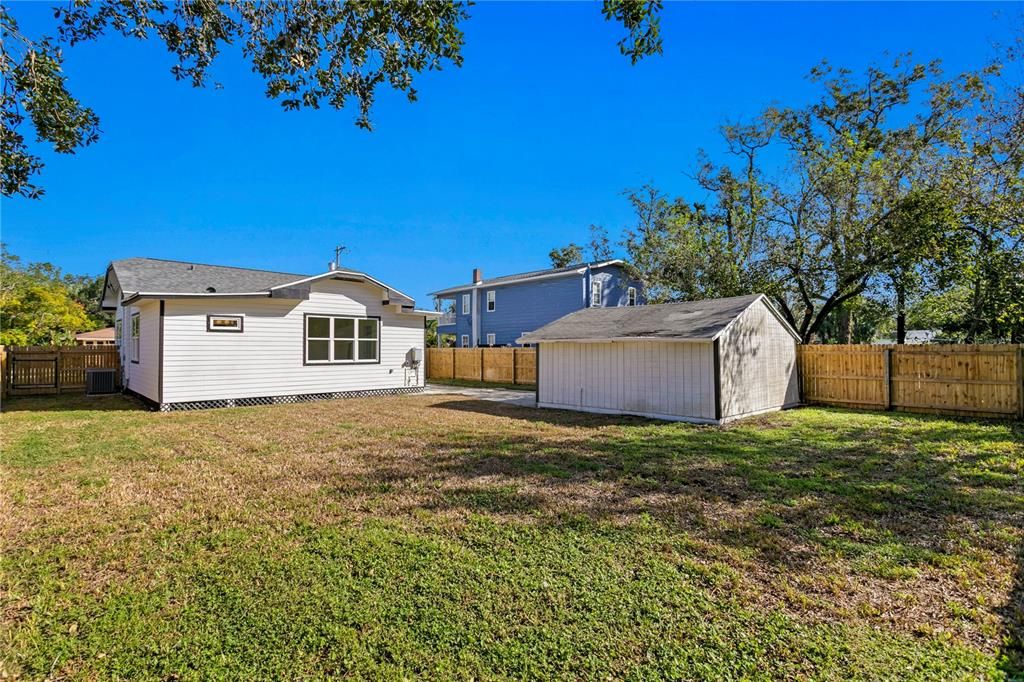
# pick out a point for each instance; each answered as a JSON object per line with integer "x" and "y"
{"x": 211, "y": 290}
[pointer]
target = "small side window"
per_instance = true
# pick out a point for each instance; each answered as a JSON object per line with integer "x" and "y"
{"x": 465, "y": 304}
{"x": 134, "y": 348}
{"x": 490, "y": 339}
{"x": 490, "y": 301}
{"x": 631, "y": 296}
{"x": 465, "y": 341}
{"x": 595, "y": 293}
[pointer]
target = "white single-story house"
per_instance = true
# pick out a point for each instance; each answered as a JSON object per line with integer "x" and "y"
{"x": 193, "y": 336}
{"x": 703, "y": 361}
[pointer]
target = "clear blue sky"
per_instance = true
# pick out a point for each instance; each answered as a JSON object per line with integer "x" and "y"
{"x": 534, "y": 139}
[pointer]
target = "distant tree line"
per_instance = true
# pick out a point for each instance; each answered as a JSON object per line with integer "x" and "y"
{"x": 893, "y": 201}
{"x": 40, "y": 305}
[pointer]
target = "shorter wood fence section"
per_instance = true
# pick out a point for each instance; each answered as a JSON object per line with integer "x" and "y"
{"x": 39, "y": 370}
{"x": 492, "y": 365}
{"x": 968, "y": 380}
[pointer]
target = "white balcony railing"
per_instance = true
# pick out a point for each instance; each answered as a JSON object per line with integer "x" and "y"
{"x": 446, "y": 318}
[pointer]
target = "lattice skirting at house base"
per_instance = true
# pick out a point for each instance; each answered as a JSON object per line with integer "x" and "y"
{"x": 286, "y": 399}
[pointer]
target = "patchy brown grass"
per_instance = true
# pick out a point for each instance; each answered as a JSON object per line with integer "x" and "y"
{"x": 908, "y": 524}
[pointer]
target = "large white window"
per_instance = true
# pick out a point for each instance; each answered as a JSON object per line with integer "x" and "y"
{"x": 631, "y": 296}
{"x": 465, "y": 304}
{"x": 595, "y": 293}
{"x": 133, "y": 349}
{"x": 490, "y": 339}
{"x": 331, "y": 339}
{"x": 465, "y": 341}
{"x": 490, "y": 301}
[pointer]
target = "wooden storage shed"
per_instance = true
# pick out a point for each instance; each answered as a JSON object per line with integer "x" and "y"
{"x": 703, "y": 361}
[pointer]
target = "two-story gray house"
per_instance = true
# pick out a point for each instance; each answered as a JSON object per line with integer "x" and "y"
{"x": 496, "y": 312}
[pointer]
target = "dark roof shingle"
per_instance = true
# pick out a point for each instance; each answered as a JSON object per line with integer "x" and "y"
{"x": 691, "y": 320}
{"x": 180, "y": 277}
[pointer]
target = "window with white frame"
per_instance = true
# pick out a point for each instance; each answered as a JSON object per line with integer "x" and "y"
{"x": 631, "y": 296}
{"x": 331, "y": 339}
{"x": 133, "y": 349}
{"x": 465, "y": 341}
{"x": 595, "y": 293}
{"x": 465, "y": 304}
{"x": 490, "y": 301}
{"x": 490, "y": 339}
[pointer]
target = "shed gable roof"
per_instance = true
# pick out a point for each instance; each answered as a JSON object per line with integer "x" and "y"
{"x": 686, "y": 321}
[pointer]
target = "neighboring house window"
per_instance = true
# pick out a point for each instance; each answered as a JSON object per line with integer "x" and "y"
{"x": 595, "y": 293}
{"x": 465, "y": 340}
{"x": 631, "y": 296}
{"x": 490, "y": 301}
{"x": 331, "y": 339}
{"x": 134, "y": 348}
{"x": 490, "y": 339}
{"x": 117, "y": 332}
{"x": 465, "y": 304}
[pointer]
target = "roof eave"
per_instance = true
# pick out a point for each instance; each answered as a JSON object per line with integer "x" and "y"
{"x": 620, "y": 339}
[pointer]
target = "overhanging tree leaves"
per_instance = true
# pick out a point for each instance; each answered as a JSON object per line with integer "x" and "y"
{"x": 311, "y": 53}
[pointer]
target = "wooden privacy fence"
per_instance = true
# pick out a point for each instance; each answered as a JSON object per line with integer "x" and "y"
{"x": 969, "y": 380}
{"x": 38, "y": 370}
{"x": 493, "y": 365}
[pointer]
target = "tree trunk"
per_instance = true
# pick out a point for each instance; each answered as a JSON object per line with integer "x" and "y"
{"x": 901, "y": 310}
{"x": 845, "y": 325}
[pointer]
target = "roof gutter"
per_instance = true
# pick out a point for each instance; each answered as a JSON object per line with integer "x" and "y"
{"x": 619, "y": 339}
{"x": 131, "y": 298}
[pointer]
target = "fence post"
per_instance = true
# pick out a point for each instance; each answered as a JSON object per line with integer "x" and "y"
{"x": 1020, "y": 381}
{"x": 887, "y": 382}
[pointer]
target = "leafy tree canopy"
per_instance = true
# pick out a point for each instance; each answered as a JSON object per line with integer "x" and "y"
{"x": 311, "y": 53}
{"x": 40, "y": 306}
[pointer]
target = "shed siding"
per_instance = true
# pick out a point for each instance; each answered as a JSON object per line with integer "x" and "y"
{"x": 758, "y": 364}
{"x": 267, "y": 358}
{"x": 142, "y": 377}
{"x": 661, "y": 379}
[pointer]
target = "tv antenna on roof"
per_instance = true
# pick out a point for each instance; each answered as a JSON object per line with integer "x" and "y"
{"x": 338, "y": 250}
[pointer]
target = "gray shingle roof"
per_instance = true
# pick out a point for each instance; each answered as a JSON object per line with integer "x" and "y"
{"x": 692, "y": 320}
{"x": 505, "y": 279}
{"x": 179, "y": 277}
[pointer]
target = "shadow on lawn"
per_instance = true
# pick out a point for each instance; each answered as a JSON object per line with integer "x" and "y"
{"x": 74, "y": 403}
{"x": 891, "y": 495}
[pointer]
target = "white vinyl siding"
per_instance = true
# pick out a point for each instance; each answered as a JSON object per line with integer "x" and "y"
{"x": 267, "y": 360}
{"x": 758, "y": 359}
{"x": 141, "y": 376}
{"x": 665, "y": 379}
{"x": 491, "y": 302}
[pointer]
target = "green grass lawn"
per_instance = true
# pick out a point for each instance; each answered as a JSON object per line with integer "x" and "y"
{"x": 441, "y": 537}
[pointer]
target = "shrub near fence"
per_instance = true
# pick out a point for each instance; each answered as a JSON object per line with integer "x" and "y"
{"x": 492, "y": 365}
{"x": 968, "y": 380}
